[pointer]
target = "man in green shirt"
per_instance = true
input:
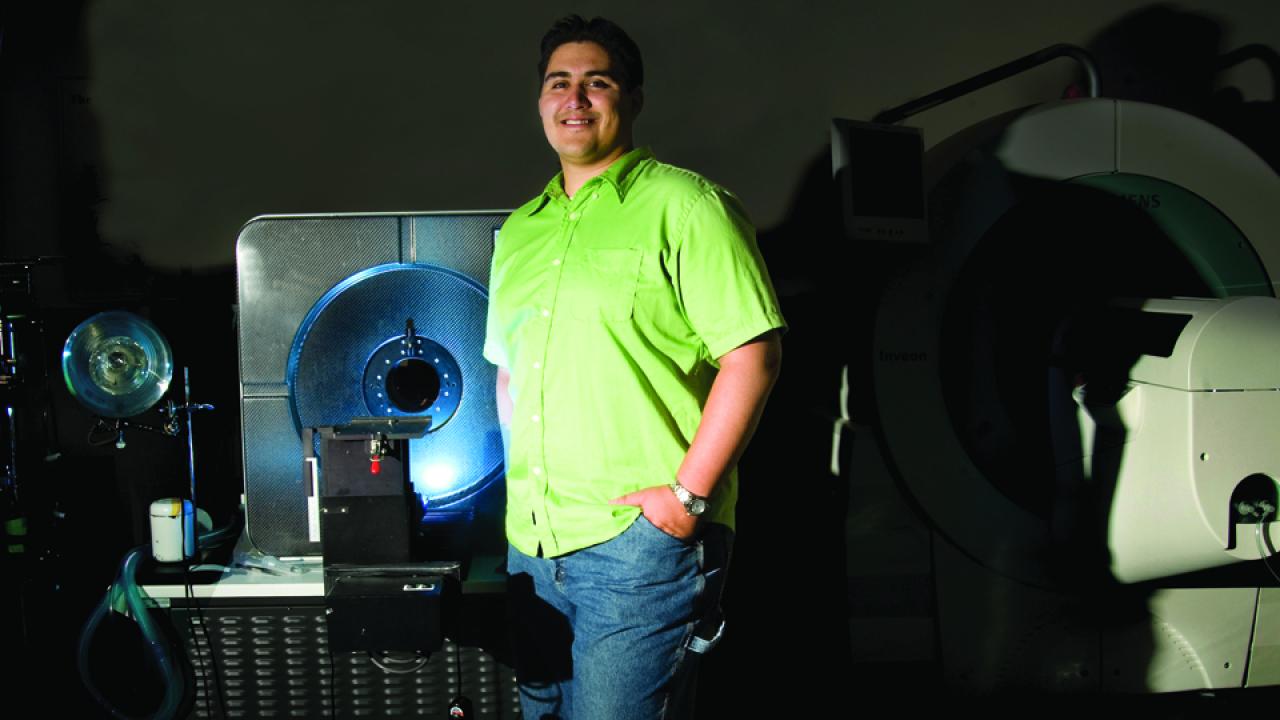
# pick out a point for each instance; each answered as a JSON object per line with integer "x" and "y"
{"x": 636, "y": 336}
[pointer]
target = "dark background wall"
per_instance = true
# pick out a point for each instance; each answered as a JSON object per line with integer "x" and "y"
{"x": 187, "y": 119}
{"x": 136, "y": 138}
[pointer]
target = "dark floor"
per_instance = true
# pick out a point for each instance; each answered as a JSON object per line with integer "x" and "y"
{"x": 733, "y": 685}
{"x": 772, "y": 664}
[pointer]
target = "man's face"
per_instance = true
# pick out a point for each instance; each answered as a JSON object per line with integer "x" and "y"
{"x": 586, "y": 114}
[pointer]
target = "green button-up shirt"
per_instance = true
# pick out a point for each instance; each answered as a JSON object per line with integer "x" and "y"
{"x": 609, "y": 310}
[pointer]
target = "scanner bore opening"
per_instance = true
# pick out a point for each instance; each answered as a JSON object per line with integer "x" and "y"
{"x": 412, "y": 385}
{"x": 1025, "y": 310}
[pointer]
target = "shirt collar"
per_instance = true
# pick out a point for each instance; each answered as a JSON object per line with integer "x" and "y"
{"x": 621, "y": 175}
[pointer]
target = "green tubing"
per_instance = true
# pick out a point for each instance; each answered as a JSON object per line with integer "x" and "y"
{"x": 125, "y": 590}
{"x": 125, "y": 597}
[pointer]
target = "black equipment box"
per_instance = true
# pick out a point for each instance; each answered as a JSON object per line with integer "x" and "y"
{"x": 369, "y": 512}
{"x": 376, "y": 598}
{"x": 384, "y": 612}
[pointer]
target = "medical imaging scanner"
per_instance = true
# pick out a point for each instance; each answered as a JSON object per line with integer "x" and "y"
{"x": 372, "y": 466}
{"x": 1077, "y": 387}
{"x": 349, "y": 316}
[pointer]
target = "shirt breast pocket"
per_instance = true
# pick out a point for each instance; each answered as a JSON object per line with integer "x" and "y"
{"x": 600, "y": 284}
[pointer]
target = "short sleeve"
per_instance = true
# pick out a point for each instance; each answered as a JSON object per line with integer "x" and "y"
{"x": 724, "y": 287}
{"x": 494, "y": 344}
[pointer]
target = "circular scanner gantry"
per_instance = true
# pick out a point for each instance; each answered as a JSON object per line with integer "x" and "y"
{"x": 399, "y": 340}
{"x": 1054, "y": 234}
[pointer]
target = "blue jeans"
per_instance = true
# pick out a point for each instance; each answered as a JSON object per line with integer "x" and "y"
{"x": 613, "y": 631}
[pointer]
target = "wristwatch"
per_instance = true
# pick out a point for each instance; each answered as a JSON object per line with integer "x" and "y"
{"x": 694, "y": 505}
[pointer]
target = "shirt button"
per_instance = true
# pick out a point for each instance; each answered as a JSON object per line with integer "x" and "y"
{"x": 537, "y": 366}
{"x": 595, "y": 196}
{"x": 546, "y": 312}
{"x": 556, "y": 261}
{"x": 573, "y": 216}
{"x": 537, "y": 470}
{"x": 536, "y": 418}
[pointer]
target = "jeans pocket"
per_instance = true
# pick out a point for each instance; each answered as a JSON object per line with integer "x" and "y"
{"x": 648, "y": 527}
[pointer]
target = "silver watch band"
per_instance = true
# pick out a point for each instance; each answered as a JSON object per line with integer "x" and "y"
{"x": 693, "y": 504}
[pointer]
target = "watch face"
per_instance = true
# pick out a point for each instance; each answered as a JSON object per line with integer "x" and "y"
{"x": 693, "y": 504}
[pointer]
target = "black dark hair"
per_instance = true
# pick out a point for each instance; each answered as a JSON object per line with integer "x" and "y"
{"x": 624, "y": 54}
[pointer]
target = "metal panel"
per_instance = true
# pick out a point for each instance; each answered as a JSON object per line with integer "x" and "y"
{"x": 275, "y": 494}
{"x": 461, "y": 242}
{"x": 275, "y": 661}
{"x": 285, "y": 265}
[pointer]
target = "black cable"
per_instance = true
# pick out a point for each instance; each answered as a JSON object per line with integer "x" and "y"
{"x": 197, "y": 658}
{"x": 1257, "y": 534}
{"x": 188, "y": 592}
{"x": 201, "y": 628}
{"x": 460, "y": 702}
{"x": 198, "y": 612}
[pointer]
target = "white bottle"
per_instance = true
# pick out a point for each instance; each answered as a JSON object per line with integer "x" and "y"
{"x": 173, "y": 533}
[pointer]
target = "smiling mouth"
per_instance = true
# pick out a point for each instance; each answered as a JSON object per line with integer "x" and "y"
{"x": 576, "y": 122}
